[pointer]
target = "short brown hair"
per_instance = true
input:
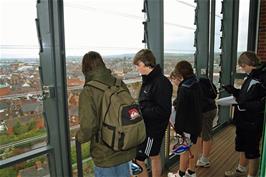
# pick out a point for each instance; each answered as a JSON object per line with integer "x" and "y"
{"x": 249, "y": 58}
{"x": 184, "y": 69}
{"x": 146, "y": 56}
{"x": 91, "y": 61}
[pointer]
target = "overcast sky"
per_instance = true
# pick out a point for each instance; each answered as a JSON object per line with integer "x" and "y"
{"x": 107, "y": 26}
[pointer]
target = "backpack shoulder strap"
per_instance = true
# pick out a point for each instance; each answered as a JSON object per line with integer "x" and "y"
{"x": 97, "y": 84}
{"x": 103, "y": 87}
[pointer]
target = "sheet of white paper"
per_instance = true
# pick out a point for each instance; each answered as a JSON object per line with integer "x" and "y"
{"x": 226, "y": 101}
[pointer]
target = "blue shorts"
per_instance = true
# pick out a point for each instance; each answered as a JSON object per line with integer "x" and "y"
{"x": 121, "y": 170}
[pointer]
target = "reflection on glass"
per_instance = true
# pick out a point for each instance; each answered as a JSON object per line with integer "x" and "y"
{"x": 115, "y": 30}
{"x": 22, "y": 126}
{"x": 36, "y": 167}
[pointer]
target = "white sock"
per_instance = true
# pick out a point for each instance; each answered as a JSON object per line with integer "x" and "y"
{"x": 242, "y": 168}
{"x": 250, "y": 176}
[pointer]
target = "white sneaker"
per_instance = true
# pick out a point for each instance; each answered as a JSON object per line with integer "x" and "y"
{"x": 189, "y": 175}
{"x": 201, "y": 163}
{"x": 170, "y": 174}
{"x": 235, "y": 173}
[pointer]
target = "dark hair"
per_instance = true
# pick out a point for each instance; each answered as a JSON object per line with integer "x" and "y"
{"x": 90, "y": 61}
{"x": 146, "y": 56}
{"x": 184, "y": 69}
{"x": 249, "y": 58}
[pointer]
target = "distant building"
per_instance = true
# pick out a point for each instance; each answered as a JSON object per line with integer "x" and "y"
{"x": 4, "y": 89}
{"x": 39, "y": 170}
{"x": 25, "y": 68}
{"x": 31, "y": 107}
{"x": 131, "y": 75}
{"x": 74, "y": 82}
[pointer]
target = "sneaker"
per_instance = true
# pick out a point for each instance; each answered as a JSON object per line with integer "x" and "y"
{"x": 235, "y": 173}
{"x": 190, "y": 175}
{"x": 201, "y": 163}
{"x": 135, "y": 168}
{"x": 170, "y": 174}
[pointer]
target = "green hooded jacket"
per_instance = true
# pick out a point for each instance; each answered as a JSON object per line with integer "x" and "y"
{"x": 90, "y": 103}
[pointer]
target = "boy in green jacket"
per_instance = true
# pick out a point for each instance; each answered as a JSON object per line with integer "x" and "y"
{"x": 107, "y": 162}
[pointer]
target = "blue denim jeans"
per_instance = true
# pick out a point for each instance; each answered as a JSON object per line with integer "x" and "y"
{"x": 121, "y": 170}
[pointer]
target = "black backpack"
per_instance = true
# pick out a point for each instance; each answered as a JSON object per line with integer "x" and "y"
{"x": 209, "y": 90}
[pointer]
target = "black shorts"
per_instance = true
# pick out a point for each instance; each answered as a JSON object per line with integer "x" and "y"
{"x": 150, "y": 147}
{"x": 248, "y": 142}
{"x": 193, "y": 138}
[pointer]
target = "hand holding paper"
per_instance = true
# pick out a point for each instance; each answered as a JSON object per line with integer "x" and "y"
{"x": 231, "y": 90}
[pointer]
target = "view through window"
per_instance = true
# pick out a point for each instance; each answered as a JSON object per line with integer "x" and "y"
{"x": 242, "y": 30}
{"x": 22, "y": 126}
{"x": 115, "y": 30}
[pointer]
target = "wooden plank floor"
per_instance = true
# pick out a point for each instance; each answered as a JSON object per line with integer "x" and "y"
{"x": 223, "y": 156}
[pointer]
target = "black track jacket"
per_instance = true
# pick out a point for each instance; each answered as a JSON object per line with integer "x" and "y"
{"x": 188, "y": 105}
{"x": 155, "y": 100}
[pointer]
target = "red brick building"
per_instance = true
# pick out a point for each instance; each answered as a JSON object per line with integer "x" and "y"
{"x": 262, "y": 31}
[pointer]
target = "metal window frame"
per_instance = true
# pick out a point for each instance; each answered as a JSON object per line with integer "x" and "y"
{"x": 262, "y": 168}
{"x": 202, "y": 15}
{"x": 212, "y": 38}
{"x": 25, "y": 156}
{"x": 253, "y": 25}
{"x": 53, "y": 72}
{"x": 155, "y": 29}
{"x": 230, "y": 11}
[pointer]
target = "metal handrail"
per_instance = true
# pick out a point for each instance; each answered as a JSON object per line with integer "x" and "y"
{"x": 79, "y": 158}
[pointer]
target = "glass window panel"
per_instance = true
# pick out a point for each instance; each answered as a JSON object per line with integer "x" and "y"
{"x": 217, "y": 43}
{"x": 217, "y": 49}
{"x": 22, "y": 126}
{"x": 243, "y": 25}
{"x": 242, "y": 29}
{"x": 242, "y": 37}
{"x": 178, "y": 32}
{"x": 112, "y": 28}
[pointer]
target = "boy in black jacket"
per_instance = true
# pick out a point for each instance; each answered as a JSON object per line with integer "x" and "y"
{"x": 155, "y": 104}
{"x": 188, "y": 121}
{"x": 249, "y": 114}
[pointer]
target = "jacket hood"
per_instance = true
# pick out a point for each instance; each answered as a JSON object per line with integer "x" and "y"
{"x": 188, "y": 82}
{"x": 258, "y": 71}
{"x": 101, "y": 74}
